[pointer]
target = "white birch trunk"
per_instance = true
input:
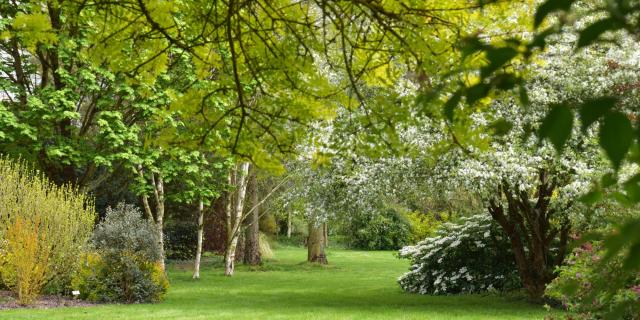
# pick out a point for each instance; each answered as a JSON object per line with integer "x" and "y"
{"x": 234, "y": 219}
{"x": 196, "y": 267}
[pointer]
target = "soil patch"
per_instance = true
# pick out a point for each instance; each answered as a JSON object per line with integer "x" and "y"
{"x": 7, "y": 301}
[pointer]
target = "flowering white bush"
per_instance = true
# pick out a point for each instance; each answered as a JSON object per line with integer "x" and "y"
{"x": 473, "y": 256}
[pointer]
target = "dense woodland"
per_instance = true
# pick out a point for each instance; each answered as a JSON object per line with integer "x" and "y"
{"x": 493, "y": 145}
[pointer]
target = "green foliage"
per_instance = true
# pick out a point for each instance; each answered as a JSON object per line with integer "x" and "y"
{"x": 473, "y": 256}
{"x": 385, "y": 230}
{"x": 577, "y": 285}
{"x": 44, "y": 228}
{"x": 126, "y": 266}
{"x": 180, "y": 239}
{"x": 268, "y": 224}
{"x": 424, "y": 225}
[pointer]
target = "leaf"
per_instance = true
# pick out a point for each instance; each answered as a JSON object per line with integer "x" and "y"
{"x": 451, "y": 104}
{"x": 549, "y": 7}
{"x": 557, "y": 126}
{"x": 477, "y": 92}
{"x": 497, "y": 58}
{"x": 632, "y": 261}
{"x": 592, "y": 110}
{"x": 589, "y": 34}
{"x": 616, "y": 136}
{"x": 523, "y": 95}
{"x": 591, "y": 198}
{"x": 501, "y": 127}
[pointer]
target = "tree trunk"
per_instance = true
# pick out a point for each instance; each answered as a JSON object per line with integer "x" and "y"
{"x": 528, "y": 226}
{"x": 252, "y": 228}
{"x": 289, "y": 226}
{"x": 234, "y": 219}
{"x": 159, "y": 196}
{"x": 196, "y": 267}
{"x": 325, "y": 234}
{"x": 315, "y": 244}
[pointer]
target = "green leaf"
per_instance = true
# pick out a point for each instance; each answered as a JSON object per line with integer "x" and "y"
{"x": 451, "y": 104}
{"x": 477, "y": 92}
{"x": 589, "y": 34}
{"x": 616, "y": 136}
{"x": 594, "y": 109}
{"x": 497, "y": 58}
{"x": 632, "y": 261}
{"x": 501, "y": 127}
{"x": 523, "y": 95}
{"x": 549, "y": 7}
{"x": 591, "y": 198}
{"x": 557, "y": 126}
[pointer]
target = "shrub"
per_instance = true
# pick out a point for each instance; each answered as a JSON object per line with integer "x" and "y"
{"x": 44, "y": 228}
{"x": 424, "y": 225}
{"x": 180, "y": 240}
{"x": 473, "y": 256}
{"x": 386, "y": 230}
{"x": 26, "y": 259}
{"x": 576, "y": 285}
{"x": 126, "y": 266}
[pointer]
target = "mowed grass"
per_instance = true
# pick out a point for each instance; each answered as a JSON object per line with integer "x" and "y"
{"x": 356, "y": 285}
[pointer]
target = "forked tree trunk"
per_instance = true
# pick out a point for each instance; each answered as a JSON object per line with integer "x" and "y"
{"x": 252, "y": 229}
{"x": 315, "y": 244}
{"x": 196, "y": 267}
{"x": 234, "y": 217}
{"x": 531, "y": 233}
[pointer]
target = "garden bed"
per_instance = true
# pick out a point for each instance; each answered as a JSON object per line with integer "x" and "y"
{"x": 7, "y": 301}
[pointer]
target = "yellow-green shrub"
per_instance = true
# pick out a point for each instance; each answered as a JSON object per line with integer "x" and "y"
{"x": 25, "y": 258}
{"x": 37, "y": 216}
{"x": 424, "y": 225}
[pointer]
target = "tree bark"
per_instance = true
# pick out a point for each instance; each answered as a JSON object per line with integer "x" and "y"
{"x": 289, "y": 226}
{"x": 159, "y": 196}
{"x": 315, "y": 244}
{"x": 196, "y": 267}
{"x": 528, "y": 226}
{"x": 234, "y": 219}
{"x": 252, "y": 229}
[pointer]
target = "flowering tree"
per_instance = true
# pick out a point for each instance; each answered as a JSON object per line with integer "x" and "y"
{"x": 528, "y": 188}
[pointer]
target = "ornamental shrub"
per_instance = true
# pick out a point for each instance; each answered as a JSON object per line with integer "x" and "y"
{"x": 581, "y": 276}
{"x": 126, "y": 265}
{"x": 473, "y": 256}
{"x": 43, "y": 227}
{"x": 384, "y": 230}
{"x": 180, "y": 240}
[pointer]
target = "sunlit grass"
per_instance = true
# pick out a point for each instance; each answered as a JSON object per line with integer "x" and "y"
{"x": 356, "y": 285}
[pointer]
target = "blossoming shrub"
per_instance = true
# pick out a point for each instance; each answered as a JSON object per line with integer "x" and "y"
{"x": 580, "y": 277}
{"x": 43, "y": 230}
{"x": 472, "y": 256}
{"x": 126, "y": 266}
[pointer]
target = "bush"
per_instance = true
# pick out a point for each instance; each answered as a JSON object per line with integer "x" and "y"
{"x": 44, "y": 228}
{"x": 386, "y": 230}
{"x": 180, "y": 240}
{"x": 424, "y": 225}
{"x": 575, "y": 287}
{"x": 470, "y": 257}
{"x": 126, "y": 266}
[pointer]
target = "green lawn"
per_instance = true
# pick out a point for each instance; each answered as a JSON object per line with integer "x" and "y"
{"x": 357, "y": 285}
